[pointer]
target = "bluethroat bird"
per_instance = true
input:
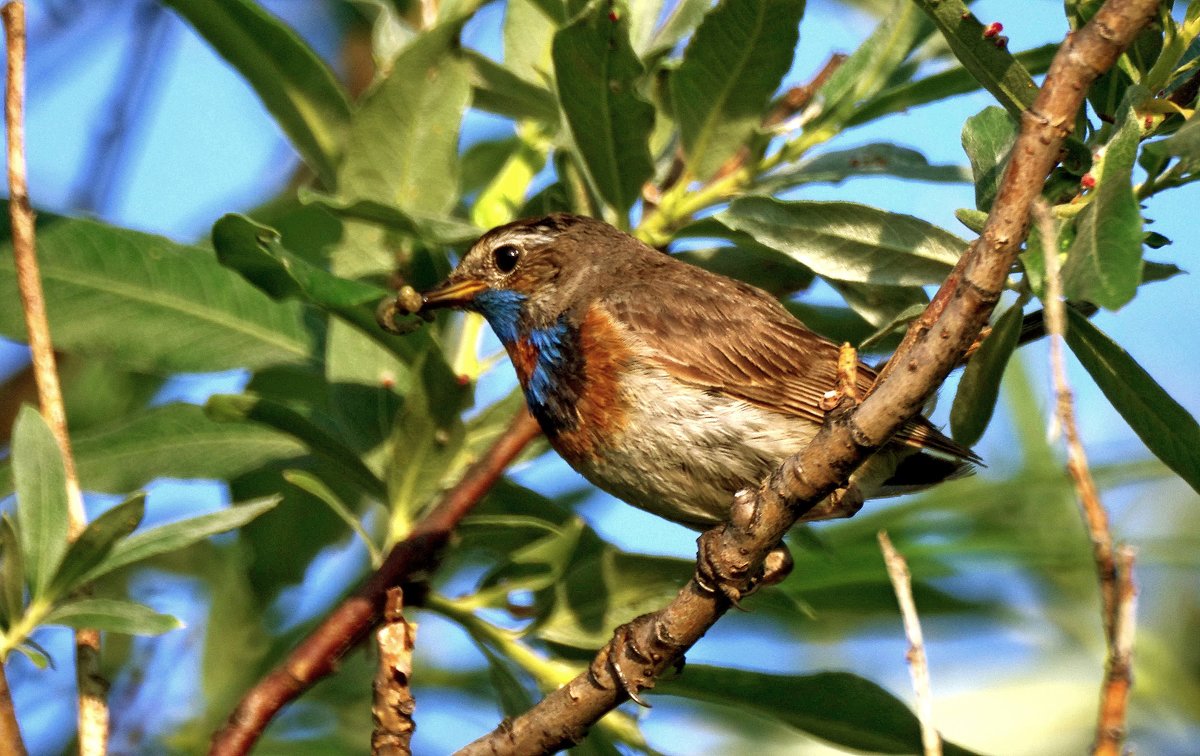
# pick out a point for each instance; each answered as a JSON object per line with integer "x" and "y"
{"x": 664, "y": 384}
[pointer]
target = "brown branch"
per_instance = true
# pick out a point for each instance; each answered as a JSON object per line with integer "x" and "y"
{"x": 93, "y": 711}
{"x": 1094, "y": 515}
{"x": 317, "y": 655}
{"x": 732, "y": 554}
{"x": 918, "y": 665}
{"x": 1118, "y": 672}
{"x": 393, "y": 705}
{"x": 1116, "y": 581}
{"x": 10, "y": 729}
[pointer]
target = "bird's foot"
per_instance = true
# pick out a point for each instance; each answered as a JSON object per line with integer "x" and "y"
{"x": 624, "y": 649}
{"x": 716, "y": 575}
{"x": 842, "y": 503}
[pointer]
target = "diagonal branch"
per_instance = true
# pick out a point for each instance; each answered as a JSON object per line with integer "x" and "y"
{"x": 318, "y": 655}
{"x": 934, "y": 345}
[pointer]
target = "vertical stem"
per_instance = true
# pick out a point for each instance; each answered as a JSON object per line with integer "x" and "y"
{"x": 93, "y": 712}
{"x": 918, "y": 664}
{"x": 10, "y": 731}
{"x": 1116, "y": 580}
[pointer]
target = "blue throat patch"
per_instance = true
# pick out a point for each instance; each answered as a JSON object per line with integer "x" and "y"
{"x": 553, "y": 386}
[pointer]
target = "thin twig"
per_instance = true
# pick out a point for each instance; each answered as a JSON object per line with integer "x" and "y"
{"x": 732, "y": 554}
{"x": 918, "y": 665}
{"x": 393, "y": 705}
{"x": 1095, "y": 517}
{"x": 1116, "y": 581}
{"x": 317, "y": 656}
{"x": 1118, "y": 672}
{"x": 93, "y": 711}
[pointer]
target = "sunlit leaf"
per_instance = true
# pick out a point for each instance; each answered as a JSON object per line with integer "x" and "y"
{"x": 149, "y": 303}
{"x": 293, "y": 82}
{"x": 597, "y": 72}
{"x": 985, "y": 56}
{"x": 402, "y": 146}
{"x": 1160, "y": 421}
{"x": 1104, "y": 264}
{"x": 980, "y": 384}
{"x": 112, "y": 615}
{"x": 849, "y": 242}
{"x": 41, "y": 484}
{"x": 730, "y": 69}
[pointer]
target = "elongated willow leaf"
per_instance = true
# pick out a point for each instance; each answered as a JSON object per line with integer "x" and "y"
{"x": 41, "y": 483}
{"x": 730, "y": 69}
{"x": 980, "y": 385}
{"x": 1160, "y": 421}
{"x": 838, "y": 707}
{"x": 292, "y": 81}
{"x": 149, "y": 303}
{"x": 849, "y": 242}
{"x": 985, "y": 56}
{"x": 597, "y": 73}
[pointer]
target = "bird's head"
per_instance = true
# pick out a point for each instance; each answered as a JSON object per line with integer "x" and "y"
{"x": 527, "y": 273}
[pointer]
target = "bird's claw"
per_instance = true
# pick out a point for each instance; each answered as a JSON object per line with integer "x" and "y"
{"x": 842, "y": 503}
{"x": 623, "y": 639}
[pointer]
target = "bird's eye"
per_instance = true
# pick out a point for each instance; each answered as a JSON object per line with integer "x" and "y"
{"x": 505, "y": 256}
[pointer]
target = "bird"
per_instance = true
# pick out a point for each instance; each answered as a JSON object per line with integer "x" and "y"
{"x": 668, "y": 386}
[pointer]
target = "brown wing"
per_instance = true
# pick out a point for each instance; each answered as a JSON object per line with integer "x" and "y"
{"x": 726, "y": 336}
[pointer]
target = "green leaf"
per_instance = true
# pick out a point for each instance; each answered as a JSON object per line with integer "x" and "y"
{"x": 41, "y": 485}
{"x": 878, "y": 159}
{"x": 988, "y": 61}
{"x": 980, "y": 385}
{"x": 97, "y": 542}
{"x": 12, "y": 573}
{"x": 293, "y": 82}
{"x": 849, "y": 242}
{"x": 987, "y": 138}
{"x": 1160, "y": 421}
{"x": 497, "y": 89}
{"x": 870, "y": 68}
{"x": 257, "y": 253}
{"x": 148, "y": 303}
{"x": 880, "y": 305}
{"x": 315, "y": 486}
{"x": 431, "y": 230}
{"x": 402, "y": 148}
{"x": 730, "y": 69}
{"x": 426, "y": 438}
{"x": 277, "y": 415}
{"x": 113, "y": 616}
{"x": 171, "y": 441}
{"x": 839, "y": 707}
{"x": 177, "y": 536}
{"x": 1104, "y": 263}
{"x": 942, "y": 85}
{"x": 597, "y": 74}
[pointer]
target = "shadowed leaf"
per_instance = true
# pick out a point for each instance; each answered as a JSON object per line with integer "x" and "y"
{"x": 980, "y": 385}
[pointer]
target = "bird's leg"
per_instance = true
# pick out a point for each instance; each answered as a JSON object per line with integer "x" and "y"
{"x": 842, "y": 503}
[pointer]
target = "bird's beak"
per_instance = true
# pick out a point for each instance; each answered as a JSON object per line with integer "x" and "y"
{"x": 451, "y": 294}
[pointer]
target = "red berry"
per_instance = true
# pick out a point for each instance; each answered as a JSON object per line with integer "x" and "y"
{"x": 1088, "y": 181}
{"x": 992, "y": 29}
